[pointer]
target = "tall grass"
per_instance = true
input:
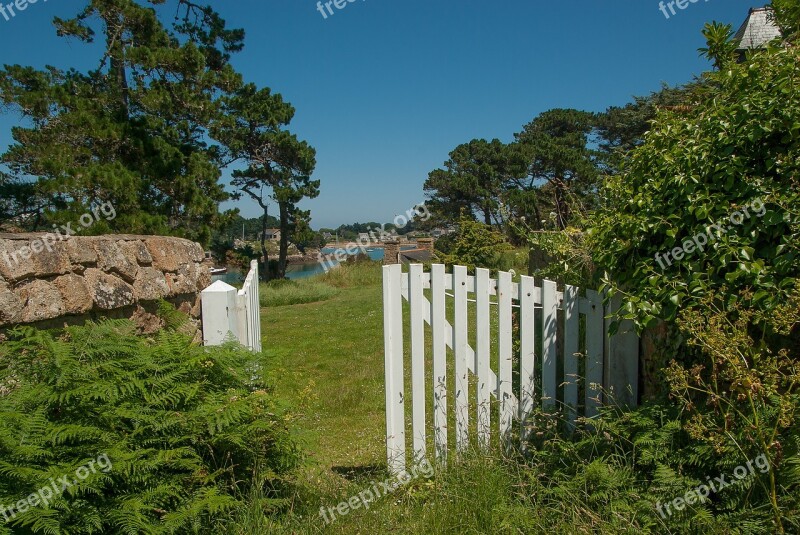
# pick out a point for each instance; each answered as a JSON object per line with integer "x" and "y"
{"x": 295, "y": 292}
{"x": 352, "y": 275}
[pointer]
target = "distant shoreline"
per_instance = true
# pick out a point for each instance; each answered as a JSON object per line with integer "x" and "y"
{"x": 352, "y": 244}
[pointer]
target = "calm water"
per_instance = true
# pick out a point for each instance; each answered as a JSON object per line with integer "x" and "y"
{"x": 309, "y": 270}
{"x": 296, "y": 272}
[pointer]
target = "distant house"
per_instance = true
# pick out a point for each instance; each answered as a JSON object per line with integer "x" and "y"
{"x": 364, "y": 237}
{"x": 273, "y": 234}
{"x": 757, "y": 31}
{"x": 439, "y": 232}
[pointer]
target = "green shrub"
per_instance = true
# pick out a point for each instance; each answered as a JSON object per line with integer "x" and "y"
{"x": 184, "y": 428}
{"x": 477, "y": 245}
{"x": 289, "y": 292}
{"x": 734, "y": 150}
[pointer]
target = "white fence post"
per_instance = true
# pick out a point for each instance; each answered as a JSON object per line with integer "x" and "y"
{"x": 227, "y": 312}
{"x": 220, "y": 314}
{"x": 393, "y": 353}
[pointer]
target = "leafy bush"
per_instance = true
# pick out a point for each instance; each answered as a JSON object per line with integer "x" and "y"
{"x": 742, "y": 396}
{"x": 736, "y": 148}
{"x": 476, "y": 245}
{"x": 185, "y": 428}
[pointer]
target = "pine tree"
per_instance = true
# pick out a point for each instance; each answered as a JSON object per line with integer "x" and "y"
{"x": 133, "y": 131}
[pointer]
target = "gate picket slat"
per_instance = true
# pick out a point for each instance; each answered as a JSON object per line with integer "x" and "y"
{"x": 505, "y": 351}
{"x": 460, "y": 350}
{"x": 417, "y": 315}
{"x": 439, "y": 329}
{"x": 594, "y": 352}
{"x": 571, "y": 348}
{"x": 475, "y": 364}
{"x": 527, "y": 355}
{"x": 549, "y": 347}
{"x": 393, "y": 354}
{"x": 482, "y": 354}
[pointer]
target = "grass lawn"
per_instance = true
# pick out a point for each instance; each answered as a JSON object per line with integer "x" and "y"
{"x": 326, "y": 358}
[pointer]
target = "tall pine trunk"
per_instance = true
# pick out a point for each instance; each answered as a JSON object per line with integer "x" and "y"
{"x": 284, "y": 245}
{"x": 264, "y": 269}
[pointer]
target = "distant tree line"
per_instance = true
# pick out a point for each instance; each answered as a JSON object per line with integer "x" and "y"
{"x": 549, "y": 176}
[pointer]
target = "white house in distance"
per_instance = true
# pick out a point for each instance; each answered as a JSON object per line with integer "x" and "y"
{"x": 273, "y": 234}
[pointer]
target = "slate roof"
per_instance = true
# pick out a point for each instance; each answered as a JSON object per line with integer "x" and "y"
{"x": 758, "y": 30}
{"x": 416, "y": 255}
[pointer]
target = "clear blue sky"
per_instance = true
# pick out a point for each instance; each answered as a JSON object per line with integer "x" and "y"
{"x": 384, "y": 90}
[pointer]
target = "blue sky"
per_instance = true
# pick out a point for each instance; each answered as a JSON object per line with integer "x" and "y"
{"x": 385, "y": 90}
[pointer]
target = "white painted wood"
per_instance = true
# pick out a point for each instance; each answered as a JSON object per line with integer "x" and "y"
{"x": 622, "y": 359}
{"x": 483, "y": 353}
{"x": 249, "y": 310}
{"x": 470, "y": 352}
{"x": 229, "y": 314}
{"x": 549, "y": 347}
{"x": 460, "y": 350}
{"x": 417, "y": 307}
{"x": 571, "y": 347}
{"x": 529, "y": 298}
{"x": 505, "y": 352}
{"x": 527, "y": 355}
{"x": 594, "y": 353}
{"x": 393, "y": 363}
{"x": 439, "y": 329}
{"x": 220, "y": 314}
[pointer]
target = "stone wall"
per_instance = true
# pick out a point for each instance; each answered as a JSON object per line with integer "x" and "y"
{"x": 49, "y": 281}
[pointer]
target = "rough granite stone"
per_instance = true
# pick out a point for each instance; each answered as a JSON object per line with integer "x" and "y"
{"x": 137, "y": 252}
{"x": 107, "y": 291}
{"x": 203, "y": 277}
{"x": 111, "y": 259}
{"x": 16, "y": 260}
{"x": 194, "y": 251}
{"x": 181, "y": 283}
{"x": 74, "y": 293}
{"x": 81, "y": 252}
{"x": 10, "y": 304}
{"x": 42, "y": 301}
{"x": 167, "y": 254}
{"x": 150, "y": 285}
{"x": 49, "y": 256}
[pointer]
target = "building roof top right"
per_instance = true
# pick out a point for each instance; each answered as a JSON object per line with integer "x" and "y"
{"x": 758, "y": 30}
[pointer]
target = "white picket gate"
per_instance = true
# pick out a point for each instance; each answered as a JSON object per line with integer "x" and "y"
{"x": 611, "y": 363}
{"x": 228, "y": 312}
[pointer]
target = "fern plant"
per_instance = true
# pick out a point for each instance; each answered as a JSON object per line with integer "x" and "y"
{"x": 183, "y": 426}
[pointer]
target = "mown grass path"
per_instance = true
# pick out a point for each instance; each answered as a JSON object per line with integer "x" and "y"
{"x": 326, "y": 359}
